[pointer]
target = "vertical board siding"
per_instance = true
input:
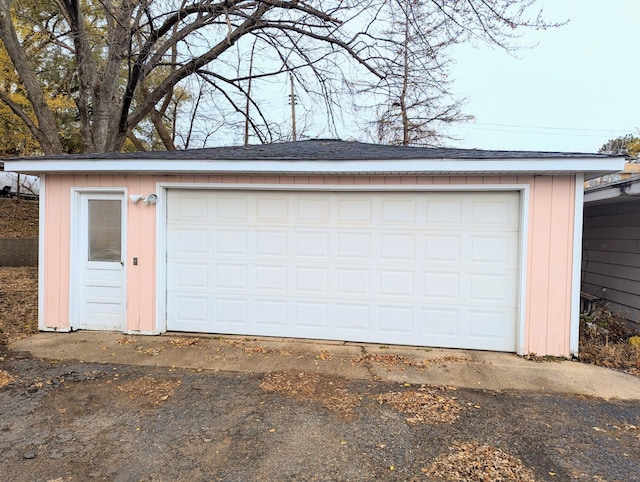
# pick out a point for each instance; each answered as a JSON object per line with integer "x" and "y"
{"x": 550, "y": 264}
{"x": 549, "y": 245}
{"x": 134, "y": 249}
{"x": 611, "y": 255}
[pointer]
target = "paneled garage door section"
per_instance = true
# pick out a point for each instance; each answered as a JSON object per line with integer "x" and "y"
{"x": 419, "y": 268}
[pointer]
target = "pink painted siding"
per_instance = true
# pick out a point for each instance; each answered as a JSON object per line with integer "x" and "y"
{"x": 549, "y": 245}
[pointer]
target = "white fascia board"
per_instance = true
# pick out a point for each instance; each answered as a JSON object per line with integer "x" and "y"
{"x": 620, "y": 189}
{"x": 384, "y": 167}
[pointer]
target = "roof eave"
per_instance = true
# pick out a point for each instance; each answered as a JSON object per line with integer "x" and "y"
{"x": 592, "y": 167}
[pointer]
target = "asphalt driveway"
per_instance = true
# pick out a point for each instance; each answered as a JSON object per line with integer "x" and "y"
{"x": 236, "y": 409}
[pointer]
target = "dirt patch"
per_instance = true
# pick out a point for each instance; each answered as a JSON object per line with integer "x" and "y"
{"x": 425, "y": 405}
{"x": 606, "y": 340}
{"x": 18, "y": 219}
{"x": 18, "y": 303}
{"x": 331, "y": 392}
{"x": 472, "y": 461}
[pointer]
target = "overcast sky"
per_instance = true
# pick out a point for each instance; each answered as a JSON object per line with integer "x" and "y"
{"x": 578, "y": 88}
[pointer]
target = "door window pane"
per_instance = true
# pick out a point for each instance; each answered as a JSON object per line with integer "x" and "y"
{"x": 105, "y": 225}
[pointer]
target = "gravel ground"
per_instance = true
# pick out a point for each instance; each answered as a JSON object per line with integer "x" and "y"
{"x": 80, "y": 421}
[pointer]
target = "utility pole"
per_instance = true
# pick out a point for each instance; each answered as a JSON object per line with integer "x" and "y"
{"x": 292, "y": 100}
{"x": 248, "y": 104}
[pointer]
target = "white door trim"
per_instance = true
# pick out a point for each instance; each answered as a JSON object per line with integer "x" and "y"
{"x": 576, "y": 273}
{"x": 161, "y": 228}
{"x": 76, "y": 279}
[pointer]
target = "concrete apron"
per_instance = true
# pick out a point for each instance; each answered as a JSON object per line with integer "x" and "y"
{"x": 401, "y": 364}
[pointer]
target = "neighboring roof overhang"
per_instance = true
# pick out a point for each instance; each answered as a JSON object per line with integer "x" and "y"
{"x": 326, "y": 157}
{"x": 624, "y": 190}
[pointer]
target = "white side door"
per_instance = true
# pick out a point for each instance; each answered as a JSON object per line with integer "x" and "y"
{"x": 98, "y": 294}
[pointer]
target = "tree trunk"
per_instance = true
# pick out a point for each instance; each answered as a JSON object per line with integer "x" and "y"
{"x": 46, "y": 132}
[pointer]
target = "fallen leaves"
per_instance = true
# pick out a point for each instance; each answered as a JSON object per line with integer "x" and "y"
{"x": 183, "y": 342}
{"x": 153, "y": 390}
{"x": 472, "y": 461}
{"x": 256, "y": 349}
{"x": 5, "y": 378}
{"x": 324, "y": 355}
{"x": 425, "y": 405}
{"x": 18, "y": 303}
{"x": 401, "y": 362}
{"x": 19, "y": 219}
{"x": 332, "y": 392}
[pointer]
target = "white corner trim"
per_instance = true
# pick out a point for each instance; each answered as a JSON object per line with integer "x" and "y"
{"x": 525, "y": 194}
{"x": 41, "y": 251}
{"x": 161, "y": 260}
{"x": 576, "y": 273}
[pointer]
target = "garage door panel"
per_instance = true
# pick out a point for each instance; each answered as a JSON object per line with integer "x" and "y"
{"x": 231, "y": 208}
{"x": 495, "y": 289}
{"x": 442, "y": 248}
{"x": 440, "y": 324}
{"x": 491, "y": 328}
{"x": 230, "y": 242}
{"x": 271, "y": 244}
{"x": 442, "y": 286}
{"x": 494, "y": 250}
{"x": 271, "y": 312}
{"x": 272, "y": 209}
{"x": 311, "y": 315}
{"x": 189, "y": 242}
{"x": 397, "y": 322}
{"x": 188, "y": 207}
{"x": 397, "y": 284}
{"x": 354, "y": 281}
{"x": 231, "y": 276}
{"x": 407, "y": 268}
{"x": 312, "y": 211}
{"x": 353, "y": 246}
{"x": 312, "y": 280}
{"x": 311, "y": 245}
{"x": 190, "y": 276}
{"x": 355, "y": 210}
{"x": 231, "y": 312}
{"x": 444, "y": 212}
{"x": 353, "y": 318}
{"x": 399, "y": 212}
{"x": 192, "y": 309}
{"x": 398, "y": 247}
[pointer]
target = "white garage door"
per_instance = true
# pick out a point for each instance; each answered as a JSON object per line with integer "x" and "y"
{"x": 418, "y": 268}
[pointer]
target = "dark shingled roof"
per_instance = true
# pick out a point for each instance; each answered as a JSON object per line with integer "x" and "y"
{"x": 323, "y": 149}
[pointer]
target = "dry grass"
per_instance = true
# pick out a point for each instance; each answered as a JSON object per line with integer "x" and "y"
{"x": 18, "y": 303}
{"x": 18, "y": 219}
{"x": 607, "y": 341}
{"x": 475, "y": 462}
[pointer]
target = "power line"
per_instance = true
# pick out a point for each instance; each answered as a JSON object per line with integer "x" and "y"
{"x": 577, "y": 129}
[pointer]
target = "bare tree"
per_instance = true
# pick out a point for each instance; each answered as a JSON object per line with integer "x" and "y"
{"x": 121, "y": 61}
